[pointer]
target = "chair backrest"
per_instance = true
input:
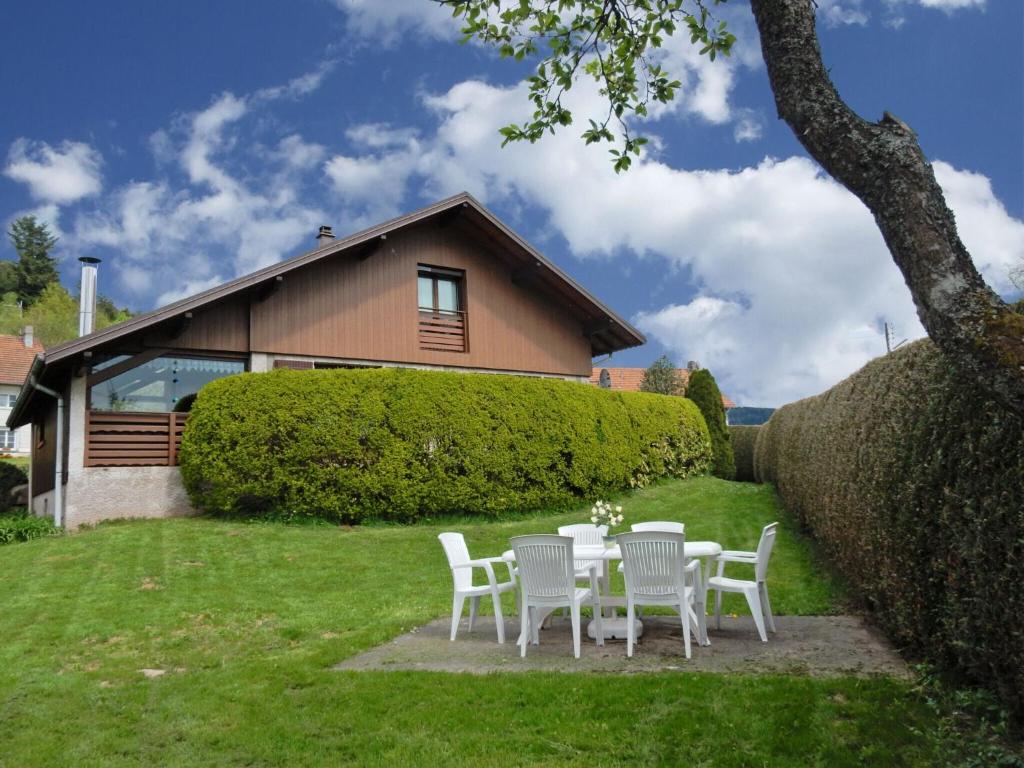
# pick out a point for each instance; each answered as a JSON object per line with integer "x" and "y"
{"x": 764, "y": 550}
{"x": 584, "y": 533}
{"x": 653, "y": 561}
{"x": 545, "y": 564}
{"x": 659, "y": 525}
{"x": 457, "y": 553}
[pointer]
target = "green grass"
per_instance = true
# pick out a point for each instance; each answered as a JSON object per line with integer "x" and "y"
{"x": 248, "y": 618}
{"x": 18, "y": 461}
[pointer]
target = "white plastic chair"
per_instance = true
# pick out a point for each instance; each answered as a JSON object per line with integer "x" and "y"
{"x": 462, "y": 577}
{"x": 590, "y": 535}
{"x": 657, "y": 574}
{"x": 755, "y": 591}
{"x": 669, "y": 526}
{"x": 547, "y": 580}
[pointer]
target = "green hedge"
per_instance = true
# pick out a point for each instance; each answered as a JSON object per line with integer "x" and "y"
{"x": 913, "y": 482}
{"x": 399, "y": 444}
{"x": 743, "y": 438}
{"x": 703, "y": 390}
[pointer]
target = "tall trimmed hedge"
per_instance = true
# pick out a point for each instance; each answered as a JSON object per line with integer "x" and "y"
{"x": 703, "y": 390}
{"x": 743, "y": 438}
{"x": 400, "y": 444}
{"x": 913, "y": 481}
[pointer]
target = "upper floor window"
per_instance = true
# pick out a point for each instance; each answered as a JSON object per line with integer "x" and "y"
{"x": 7, "y": 400}
{"x": 440, "y": 290}
{"x": 442, "y": 305}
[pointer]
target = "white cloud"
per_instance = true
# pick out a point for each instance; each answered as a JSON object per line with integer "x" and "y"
{"x": 895, "y": 9}
{"x": 841, "y": 12}
{"x": 219, "y": 223}
{"x": 792, "y": 274}
{"x": 380, "y": 135}
{"x": 297, "y": 87}
{"x": 748, "y": 127}
{"x": 385, "y": 22}
{"x": 946, "y": 5}
{"x": 374, "y": 184}
{"x": 298, "y": 154}
{"x": 188, "y": 289}
{"x": 994, "y": 238}
{"x": 60, "y": 175}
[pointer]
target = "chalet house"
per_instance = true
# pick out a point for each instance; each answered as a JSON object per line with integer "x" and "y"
{"x": 448, "y": 287}
{"x": 16, "y": 355}
{"x": 629, "y": 380}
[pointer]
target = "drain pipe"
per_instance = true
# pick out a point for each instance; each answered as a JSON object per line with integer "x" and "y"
{"x": 58, "y": 487}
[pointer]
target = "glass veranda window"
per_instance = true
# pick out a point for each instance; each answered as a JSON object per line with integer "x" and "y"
{"x": 157, "y": 385}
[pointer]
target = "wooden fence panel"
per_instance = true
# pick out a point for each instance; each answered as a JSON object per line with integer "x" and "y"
{"x": 129, "y": 439}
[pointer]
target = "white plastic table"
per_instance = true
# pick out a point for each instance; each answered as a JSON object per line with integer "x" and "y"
{"x": 708, "y": 550}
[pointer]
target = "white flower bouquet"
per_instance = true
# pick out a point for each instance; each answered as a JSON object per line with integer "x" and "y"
{"x": 603, "y": 513}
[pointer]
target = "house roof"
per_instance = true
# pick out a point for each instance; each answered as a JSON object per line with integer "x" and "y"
{"x": 607, "y": 331}
{"x": 16, "y": 359}
{"x": 629, "y": 380}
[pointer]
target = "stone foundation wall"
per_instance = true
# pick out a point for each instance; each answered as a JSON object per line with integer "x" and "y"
{"x": 42, "y": 505}
{"x": 108, "y": 493}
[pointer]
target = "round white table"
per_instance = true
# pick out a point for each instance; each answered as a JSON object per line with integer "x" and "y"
{"x": 708, "y": 550}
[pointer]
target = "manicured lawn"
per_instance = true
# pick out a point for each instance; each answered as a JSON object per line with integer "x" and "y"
{"x": 246, "y": 620}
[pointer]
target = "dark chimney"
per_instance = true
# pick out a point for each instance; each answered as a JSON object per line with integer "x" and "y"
{"x": 325, "y": 235}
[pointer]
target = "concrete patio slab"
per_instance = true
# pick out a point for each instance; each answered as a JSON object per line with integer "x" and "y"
{"x": 820, "y": 646}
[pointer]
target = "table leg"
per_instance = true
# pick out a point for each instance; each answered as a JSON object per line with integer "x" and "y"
{"x": 606, "y": 583}
{"x": 708, "y": 566}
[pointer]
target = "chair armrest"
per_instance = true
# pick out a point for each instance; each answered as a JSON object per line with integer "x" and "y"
{"x": 693, "y": 565}
{"x": 484, "y": 563}
{"x": 734, "y": 556}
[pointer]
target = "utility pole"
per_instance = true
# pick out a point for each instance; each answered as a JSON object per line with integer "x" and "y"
{"x": 890, "y": 334}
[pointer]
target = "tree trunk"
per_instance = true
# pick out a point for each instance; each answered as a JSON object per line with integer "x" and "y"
{"x": 882, "y": 164}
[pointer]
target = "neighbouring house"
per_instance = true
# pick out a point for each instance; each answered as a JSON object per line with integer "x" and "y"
{"x": 448, "y": 287}
{"x": 629, "y": 380}
{"x": 16, "y": 355}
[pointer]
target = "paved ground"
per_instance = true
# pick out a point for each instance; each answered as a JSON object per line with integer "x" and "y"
{"x": 814, "y": 645}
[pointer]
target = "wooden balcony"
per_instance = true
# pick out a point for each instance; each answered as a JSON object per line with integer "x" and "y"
{"x": 444, "y": 331}
{"x": 128, "y": 439}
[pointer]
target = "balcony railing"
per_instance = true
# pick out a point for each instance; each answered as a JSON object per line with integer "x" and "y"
{"x": 130, "y": 439}
{"x": 444, "y": 330}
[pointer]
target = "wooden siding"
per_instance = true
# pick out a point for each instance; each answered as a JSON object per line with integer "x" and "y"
{"x": 222, "y": 327}
{"x": 367, "y": 309}
{"x": 132, "y": 439}
{"x": 44, "y": 457}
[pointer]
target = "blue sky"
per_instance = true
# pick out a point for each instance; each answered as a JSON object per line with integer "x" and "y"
{"x": 188, "y": 143}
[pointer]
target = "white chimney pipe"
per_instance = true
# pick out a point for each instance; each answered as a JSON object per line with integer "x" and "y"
{"x": 27, "y": 332}
{"x": 87, "y": 300}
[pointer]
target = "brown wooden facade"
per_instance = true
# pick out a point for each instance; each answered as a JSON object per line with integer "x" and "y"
{"x": 349, "y": 307}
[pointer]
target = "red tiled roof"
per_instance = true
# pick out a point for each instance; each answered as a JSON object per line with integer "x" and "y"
{"x": 628, "y": 380}
{"x": 16, "y": 359}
